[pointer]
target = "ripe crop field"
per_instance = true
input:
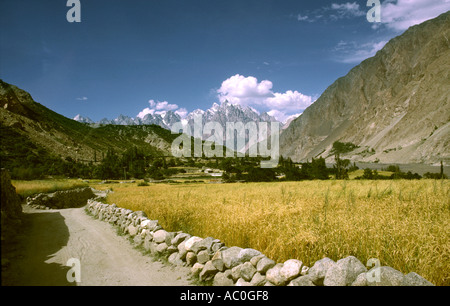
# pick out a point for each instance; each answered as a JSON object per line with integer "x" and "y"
{"x": 405, "y": 224}
{"x": 27, "y": 188}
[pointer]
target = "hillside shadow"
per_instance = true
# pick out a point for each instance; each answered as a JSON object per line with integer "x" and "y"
{"x": 43, "y": 234}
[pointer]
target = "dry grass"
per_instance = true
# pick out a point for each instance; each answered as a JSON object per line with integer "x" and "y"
{"x": 405, "y": 224}
{"x": 27, "y": 188}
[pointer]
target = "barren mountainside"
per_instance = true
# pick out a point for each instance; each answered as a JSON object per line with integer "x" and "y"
{"x": 394, "y": 106}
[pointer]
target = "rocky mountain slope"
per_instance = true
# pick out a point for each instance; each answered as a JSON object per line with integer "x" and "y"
{"x": 29, "y": 126}
{"x": 394, "y": 106}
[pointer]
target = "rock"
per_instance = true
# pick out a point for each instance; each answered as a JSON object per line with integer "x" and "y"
{"x": 414, "y": 279}
{"x": 204, "y": 244}
{"x": 216, "y": 246}
{"x": 344, "y": 272}
{"x": 146, "y": 223}
{"x": 223, "y": 279}
{"x": 242, "y": 283}
{"x": 217, "y": 261}
{"x": 258, "y": 279}
{"x": 160, "y": 236}
{"x": 138, "y": 240}
{"x": 236, "y": 272}
{"x": 180, "y": 238}
{"x": 132, "y": 230}
{"x": 264, "y": 264}
{"x": 291, "y": 269}
{"x": 172, "y": 249}
{"x": 230, "y": 257}
{"x": 387, "y": 276}
{"x": 247, "y": 271}
{"x": 318, "y": 271}
{"x": 169, "y": 238}
{"x": 304, "y": 271}
{"x": 208, "y": 272}
{"x": 304, "y": 280}
{"x": 161, "y": 248}
{"x": 190, "y": 242}
{"x": 175, "y": 260}
{"x": 182, "y": 250}
{"x": 273, "y": 275}
{"x": 360, "y": 281}
{"x": 203, "y": 257}
{"x": 197, "y": 268}
{"x": 254, "y": 261}
{"x": 191, "y": 258}
{"x": 247, "y": 254}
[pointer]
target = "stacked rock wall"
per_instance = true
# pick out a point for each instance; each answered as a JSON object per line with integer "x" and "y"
{"x": 211, "y": 260}
{"x": 61, "y": 199}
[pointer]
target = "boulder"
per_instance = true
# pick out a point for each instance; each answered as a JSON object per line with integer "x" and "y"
{"x": 414, "y": 279}
{"x": 264, "y": 264}
{"x": 304, "y": 280}
{"x": 344, "y": 272}
{"x": 217, "y": 261}
{"x": 161, "y": 248}
{"x": 247, "y": 271}
{"x": 386, "y": 276}
{"x": 196, "y": 269}
{"x": 180, "y": 238}
{"x": 318, "y": 271}
{"x": 230, "y": 257}
{"x": 190, "y": 242}
{"x": 208, "y": 272}
{"x": 242, "y": 283}
{"x": 247, "y": 254}
{"x": 191, "y": 258}
{"x": 258, "y": 279}
{"x": 203, "y": 256}
{"x": 291, "y": 269}
{"x": 160, "y": 236}
{"x": 274, "y": 276}
{"x": 223, "y": 279}
{"x": 204, "y": 244}
{"x": 132, "y": 230}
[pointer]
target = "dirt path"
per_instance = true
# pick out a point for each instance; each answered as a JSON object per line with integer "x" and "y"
{"x": 52, "y": 237}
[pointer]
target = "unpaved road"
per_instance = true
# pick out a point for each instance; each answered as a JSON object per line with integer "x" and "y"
{"x": 51, "y": 237}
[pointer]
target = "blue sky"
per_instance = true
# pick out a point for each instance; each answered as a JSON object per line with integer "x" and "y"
{"x": 127, "y": 56}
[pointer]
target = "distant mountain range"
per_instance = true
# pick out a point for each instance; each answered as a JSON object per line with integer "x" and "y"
{"x": 221, "y": 113}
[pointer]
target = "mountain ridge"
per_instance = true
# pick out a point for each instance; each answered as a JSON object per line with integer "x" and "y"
{"x": 394, "y": 106}
{"x": 222, "y": 113}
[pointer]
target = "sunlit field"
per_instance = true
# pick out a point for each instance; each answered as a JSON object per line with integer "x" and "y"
{"x": 405, "y": 224}
{"x": 27, "y": 188}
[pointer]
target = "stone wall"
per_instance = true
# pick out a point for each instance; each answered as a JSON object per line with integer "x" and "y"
{"x": 61, "y": 199}
{"x": 211, "y": 260}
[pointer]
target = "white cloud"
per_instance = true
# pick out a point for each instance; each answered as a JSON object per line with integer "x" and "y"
{"x": 182, "y": 112}
{"x": 244, "y": 90}
{"x": 346, "y": 10}
{"x": 248, "y": 91}
{"x": 160, "y": 108}
{"x": 302, "y": 18}
{"x": 399, "y": 15}
{"x": 354, "y": 53}
{"x": 82, "y": 99}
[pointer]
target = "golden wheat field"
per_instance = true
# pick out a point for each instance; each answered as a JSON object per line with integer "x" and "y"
{"x": 405, "y": 224}
{"x": 27, "y": 188}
